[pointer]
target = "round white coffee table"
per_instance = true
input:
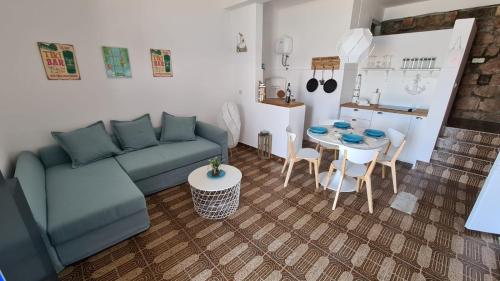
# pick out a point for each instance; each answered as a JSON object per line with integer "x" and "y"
{"x": 215, "y": 198}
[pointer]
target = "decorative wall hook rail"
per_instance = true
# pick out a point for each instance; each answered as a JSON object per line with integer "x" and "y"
{"x": 325, "y": 63}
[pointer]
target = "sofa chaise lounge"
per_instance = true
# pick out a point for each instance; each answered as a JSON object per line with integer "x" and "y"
{"x": 85, "y": 210}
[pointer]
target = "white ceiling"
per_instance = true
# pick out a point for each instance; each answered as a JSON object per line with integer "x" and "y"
{"x": 392, "y": 3}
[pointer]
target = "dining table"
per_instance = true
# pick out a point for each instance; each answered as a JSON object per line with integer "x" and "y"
{"x": 333, "y": 137}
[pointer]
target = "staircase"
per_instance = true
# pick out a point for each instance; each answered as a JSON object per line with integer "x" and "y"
{"x": 463, "y": 156}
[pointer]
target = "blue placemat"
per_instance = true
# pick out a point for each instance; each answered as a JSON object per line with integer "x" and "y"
{"x": 374, "y": 133}
{"x": 221, "y": 174}
{"x": 352, "y": 138}
{"x": 342, "y": 125}
{"x": 318, "y": 130}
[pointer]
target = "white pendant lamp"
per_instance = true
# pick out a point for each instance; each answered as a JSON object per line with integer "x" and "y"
{"x": 356, "y": 44}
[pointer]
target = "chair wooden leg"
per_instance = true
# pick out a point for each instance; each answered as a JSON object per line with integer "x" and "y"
{"x": 369, "y": 195}
{"x": 316, "y": 175}
{"x": 321, "y": 150}
{"x": 338, "y": 192}
{"x": 284, "y": 166}
{"x": 329, "y": 176}
{"x": 290, "y": 167}
{"x": 317, "y": 146}
{"x": 394, "y": 180}
{"x": 383, "y": 171}
{"x": 358, "y": 184}
{"x": 310, "y": 168}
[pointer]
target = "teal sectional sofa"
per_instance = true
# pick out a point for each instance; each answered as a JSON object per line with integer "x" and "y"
{"x": 84, "y": 210}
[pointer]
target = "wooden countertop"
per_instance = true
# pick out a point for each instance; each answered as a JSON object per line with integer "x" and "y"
{"x": 282, "y": 103}
{"x": 375, "y": 107}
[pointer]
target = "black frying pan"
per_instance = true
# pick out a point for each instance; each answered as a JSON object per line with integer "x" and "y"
{"x": 313, "y": 83}
{"x": 330, "y": 85}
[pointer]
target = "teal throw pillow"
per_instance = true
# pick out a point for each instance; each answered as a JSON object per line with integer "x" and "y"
{"x": 87, "y": 145}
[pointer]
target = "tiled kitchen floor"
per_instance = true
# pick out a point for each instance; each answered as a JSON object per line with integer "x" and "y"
{"x": 292, "y": 234}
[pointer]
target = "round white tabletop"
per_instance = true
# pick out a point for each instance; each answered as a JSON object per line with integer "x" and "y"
{"x": 334, "y": 137}
{"x": 199, "y": 179}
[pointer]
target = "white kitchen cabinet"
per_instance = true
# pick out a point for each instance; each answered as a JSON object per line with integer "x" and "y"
{"x": 359, "y": 118}
{"x": 385, "y": 120}
{"x": 414, "y": 127}
{"x": 357, "y": 113}
{"x": 416, "y": 140}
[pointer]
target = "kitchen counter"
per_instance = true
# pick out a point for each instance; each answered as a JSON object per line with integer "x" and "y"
{"x": 282, "y": 103}
{"x": 375, "y": 107}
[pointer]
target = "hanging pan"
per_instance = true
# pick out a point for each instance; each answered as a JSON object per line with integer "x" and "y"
{"x": 330, "y": 85}
{"x": 313, "y": 83}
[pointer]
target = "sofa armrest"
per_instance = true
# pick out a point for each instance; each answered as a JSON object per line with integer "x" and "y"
{"x": 214, "y": 134}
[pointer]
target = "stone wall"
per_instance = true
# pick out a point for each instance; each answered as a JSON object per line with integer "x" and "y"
{"x": 478, "y": 97}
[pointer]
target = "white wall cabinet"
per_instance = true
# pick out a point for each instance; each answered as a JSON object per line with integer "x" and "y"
{"x": 414, "y": 127}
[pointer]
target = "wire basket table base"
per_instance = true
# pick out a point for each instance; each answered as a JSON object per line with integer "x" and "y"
{"x": 216, "y": 204}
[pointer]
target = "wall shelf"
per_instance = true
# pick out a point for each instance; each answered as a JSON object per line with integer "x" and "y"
{"x": 400, "y": 69}
{"x": 377, "y": 69}
{"x": 420, "y": 69}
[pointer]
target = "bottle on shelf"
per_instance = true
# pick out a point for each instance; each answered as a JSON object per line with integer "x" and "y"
{"x": 288, "y": 96}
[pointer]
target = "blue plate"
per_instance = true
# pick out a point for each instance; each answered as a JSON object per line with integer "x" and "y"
{"x": 342, "y": 125}
{"x": 374, "y": 133}
{"x": 221, "y": 174}
{"x": 318, "y": 130}
{"x": 352, "y": 138}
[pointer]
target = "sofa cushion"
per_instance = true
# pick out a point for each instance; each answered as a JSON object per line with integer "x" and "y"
{"x": 135, "y": 134}
{"x": 177, "y": 128}
{"x": 159, "y": 159}
{"x": 87, "y": 145}
{"x": 84, "y": 199}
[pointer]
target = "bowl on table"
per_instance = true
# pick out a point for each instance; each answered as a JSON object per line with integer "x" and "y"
{"x": 342, "y": 125}
{"x": 374, "y": 133}
{"x": 352, "y": 138}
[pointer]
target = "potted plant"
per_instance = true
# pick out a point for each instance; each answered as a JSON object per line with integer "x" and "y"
{"x": 215, "y": 165}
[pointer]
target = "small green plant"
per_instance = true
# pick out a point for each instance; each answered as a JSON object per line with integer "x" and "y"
{"x": 215, "y": 164}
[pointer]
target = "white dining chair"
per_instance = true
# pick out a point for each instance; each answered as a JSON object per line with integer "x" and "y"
{"x": 321, "y": 146}
{"x": 308, "y": 154}
{"x": 391, "y": 154}
{"x": 356, "y": 163}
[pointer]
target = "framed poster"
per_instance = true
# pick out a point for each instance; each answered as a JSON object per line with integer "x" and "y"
{"x": 117, "y": 62}
{"x": 59, "y": 61}
{"x": 161, "y": 62}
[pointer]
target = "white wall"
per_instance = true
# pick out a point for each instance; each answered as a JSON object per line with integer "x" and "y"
{"x": 393, "y": 83}
{"x": 246, "y": 66}
{"x": 31, "y": 106}
{"x": 316, "y": 27}
{"x": 433, "y": 6}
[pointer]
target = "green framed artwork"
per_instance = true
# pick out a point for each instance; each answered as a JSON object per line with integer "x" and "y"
{"x": 117, "y": 63}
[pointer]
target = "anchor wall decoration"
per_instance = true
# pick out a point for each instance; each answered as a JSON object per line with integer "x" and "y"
{"x": 416, "y": 87}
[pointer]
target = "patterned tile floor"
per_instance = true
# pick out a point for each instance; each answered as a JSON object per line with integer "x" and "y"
{"x": 292, "y": 234}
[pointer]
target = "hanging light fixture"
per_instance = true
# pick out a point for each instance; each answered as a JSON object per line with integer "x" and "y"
{"x": 356, "y": 44}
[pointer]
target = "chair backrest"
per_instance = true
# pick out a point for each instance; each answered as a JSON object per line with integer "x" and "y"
{"x": 291, "y": 143}
{"x": 396, "y": 137}
{"x": 359, "y": 156}
{"x": 397, "y": 141}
